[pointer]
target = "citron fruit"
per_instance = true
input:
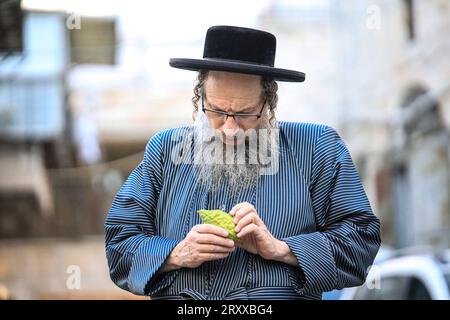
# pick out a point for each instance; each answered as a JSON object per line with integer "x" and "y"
{"x": 221, "y": 219}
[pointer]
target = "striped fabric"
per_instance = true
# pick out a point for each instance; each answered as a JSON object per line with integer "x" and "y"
{"x": 315, "y": 203}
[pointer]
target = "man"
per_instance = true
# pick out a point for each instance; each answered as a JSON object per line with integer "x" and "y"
{"x": 303, "y": 219}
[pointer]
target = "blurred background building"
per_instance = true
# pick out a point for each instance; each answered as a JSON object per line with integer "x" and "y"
{"x": 85, "y": 84}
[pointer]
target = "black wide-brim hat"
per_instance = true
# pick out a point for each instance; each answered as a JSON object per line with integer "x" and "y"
{"x": 241, "y": 50}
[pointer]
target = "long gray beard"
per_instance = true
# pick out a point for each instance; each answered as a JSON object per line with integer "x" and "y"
{"x": 237, "y": 167}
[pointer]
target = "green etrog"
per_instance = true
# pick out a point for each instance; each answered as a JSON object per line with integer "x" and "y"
{"x": 221, "y": 219}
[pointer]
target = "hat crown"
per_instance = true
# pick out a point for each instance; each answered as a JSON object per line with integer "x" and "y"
{"x": 240, "y": 44}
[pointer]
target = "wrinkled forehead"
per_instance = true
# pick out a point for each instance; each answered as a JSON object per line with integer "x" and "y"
{"x": 229, "y": 85}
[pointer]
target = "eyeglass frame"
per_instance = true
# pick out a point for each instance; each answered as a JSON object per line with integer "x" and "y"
{"x": 233, "y": 114}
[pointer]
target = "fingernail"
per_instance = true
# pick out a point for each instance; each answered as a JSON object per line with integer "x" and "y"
{"x": 236, "y": 229}
{"x": 235, "y": 220}
{"x": 225, "y": 233}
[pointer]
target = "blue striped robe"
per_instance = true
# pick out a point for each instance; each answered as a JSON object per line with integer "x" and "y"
{"x": 315, "y": 203}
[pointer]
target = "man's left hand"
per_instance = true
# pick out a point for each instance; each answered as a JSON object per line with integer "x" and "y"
{"x": 254, "y": 235}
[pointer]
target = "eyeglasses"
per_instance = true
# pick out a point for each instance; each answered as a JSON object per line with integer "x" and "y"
{"x": 222, "y": 116}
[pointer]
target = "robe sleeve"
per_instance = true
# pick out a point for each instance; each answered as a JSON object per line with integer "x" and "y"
{"x": 134, "y": 250}
{"x": 347, "y": 237}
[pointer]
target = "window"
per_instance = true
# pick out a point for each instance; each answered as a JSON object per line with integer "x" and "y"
{"x": 11, "y": 17}
{"x": 94, "y": 42}
{"x": 425, "y": 111}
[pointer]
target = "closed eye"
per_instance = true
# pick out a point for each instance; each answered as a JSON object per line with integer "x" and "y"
{"x": 216, "y": 109}
{"x": 245, "y": 111}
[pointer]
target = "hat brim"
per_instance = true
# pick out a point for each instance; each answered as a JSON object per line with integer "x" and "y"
{"x": 237, "y": 66}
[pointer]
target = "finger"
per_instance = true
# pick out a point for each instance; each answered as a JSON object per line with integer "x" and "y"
{"x": 214, "y": 240}
{"x": 243, "y": 212}
{"x": 211, "y": 229}
{"x": 249, "y": 229}
{"x": 244, "y": 206}
{"x": 237, "y": 207}
{"x": 252, "y": 217}
{"x": 208, "y": 248}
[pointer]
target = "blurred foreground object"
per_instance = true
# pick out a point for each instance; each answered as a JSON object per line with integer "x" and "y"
{"x": 412, "y": 274}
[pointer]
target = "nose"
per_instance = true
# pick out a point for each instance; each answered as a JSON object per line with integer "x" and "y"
{"x": 230, "y": 127}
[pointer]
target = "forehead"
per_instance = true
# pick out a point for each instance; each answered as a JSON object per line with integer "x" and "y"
{"x": 235, "y": 86}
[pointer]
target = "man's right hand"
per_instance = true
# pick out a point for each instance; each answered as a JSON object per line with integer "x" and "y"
{"x": 204, "y": 242}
